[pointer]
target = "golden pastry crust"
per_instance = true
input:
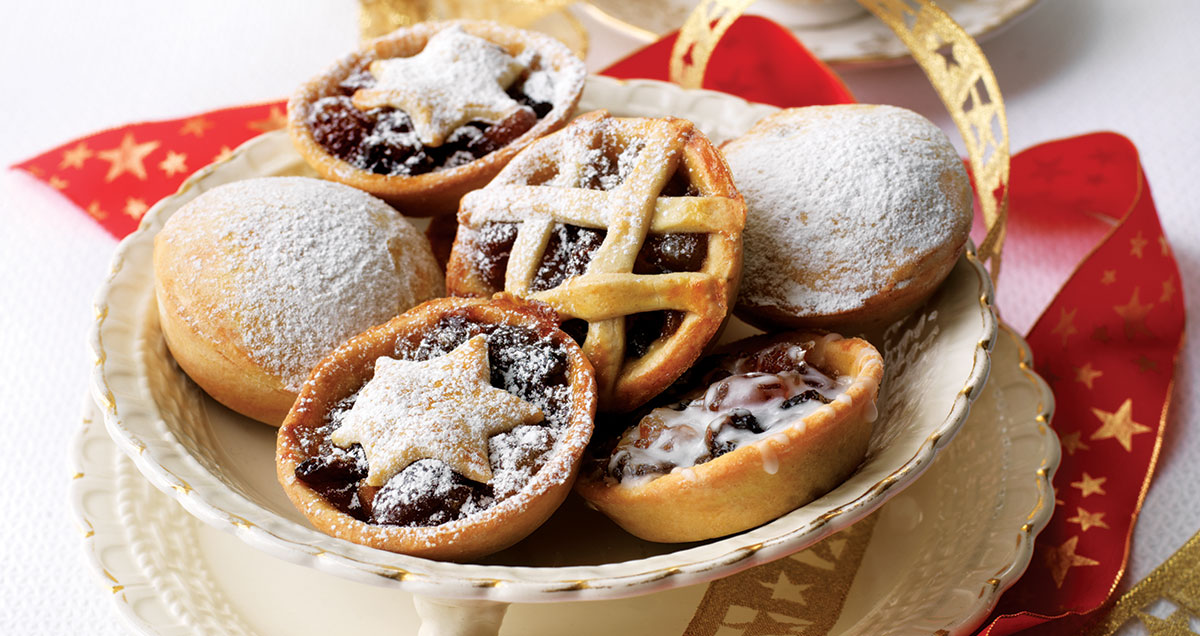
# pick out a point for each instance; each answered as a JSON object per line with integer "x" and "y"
{"x": 664, "y": 179}
{"x": 782, "y": 470}
{"x": 346, "y": 370}
{"x": 242, "y": 311}
{"x": 438, "y": 192}
{"x": 855, "y": 215}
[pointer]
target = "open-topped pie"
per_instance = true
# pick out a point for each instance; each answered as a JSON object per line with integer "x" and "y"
{"x": 629, "y": 228}
{"x": 770, "y": 424}
{"x": 429, "y": 112}
{"x": 450, "y": 432}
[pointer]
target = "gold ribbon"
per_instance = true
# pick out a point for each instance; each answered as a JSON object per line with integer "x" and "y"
{"x": 1163, "y": 601}
{"x": 953, "y": 62}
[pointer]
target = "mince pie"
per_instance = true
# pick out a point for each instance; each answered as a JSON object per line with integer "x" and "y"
{"x": 855, "y": 215}
{"x": 256, "y": 281}
{"x": 450, "y": 432}
{"x": 429, "y": 112}
{"x": 629, "y": 228}
{"x": 764, "y": 427}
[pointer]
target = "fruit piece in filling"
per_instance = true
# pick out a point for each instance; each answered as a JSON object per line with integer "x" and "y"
{"x": 459, "y": 99}
{"x": 739, "y": 401}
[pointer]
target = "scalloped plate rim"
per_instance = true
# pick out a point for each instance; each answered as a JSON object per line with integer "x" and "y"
{"x": 519, "y": 583}
{"x": 83, "y": 480}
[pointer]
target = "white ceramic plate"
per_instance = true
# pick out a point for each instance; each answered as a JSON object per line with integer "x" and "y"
{"x": 858, "y": 40}
{"x": 940, "y": 555}
{"x": 219, "y": 466}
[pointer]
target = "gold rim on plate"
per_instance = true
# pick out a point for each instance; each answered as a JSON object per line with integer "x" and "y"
{"x": 167, "y": 572}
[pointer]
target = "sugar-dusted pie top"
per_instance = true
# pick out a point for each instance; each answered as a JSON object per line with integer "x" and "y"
{"x": 457, "y": 99}
{"x": 528, "y": 367}
{"x": 838, "y": 199}
{"x": 628, "y": 228}
{"x": 291, "y": 267}
{"x": 455, "y": 79}
{"x": 444, "y": 408}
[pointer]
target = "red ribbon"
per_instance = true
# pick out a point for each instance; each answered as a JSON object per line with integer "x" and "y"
{"x": 1107, "y": 342}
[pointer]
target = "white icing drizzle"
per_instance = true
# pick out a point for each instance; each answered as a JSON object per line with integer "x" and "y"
{"x": 669, "y": 439}
{"x": 872, "y": 412}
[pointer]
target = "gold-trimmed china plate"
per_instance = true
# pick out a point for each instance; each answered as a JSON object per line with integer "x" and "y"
{"x": 219, "y": 466}
{"x": 858, "y": 39}
{"x": 937, "y": 558}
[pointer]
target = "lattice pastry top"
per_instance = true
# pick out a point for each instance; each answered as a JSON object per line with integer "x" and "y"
{"x": 629, "y": 228}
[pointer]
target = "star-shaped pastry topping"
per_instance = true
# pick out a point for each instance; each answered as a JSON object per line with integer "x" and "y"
{"x": 1119, "y": 425}
{"x": 455, "y": 79}
{"x": 442, "y": 408}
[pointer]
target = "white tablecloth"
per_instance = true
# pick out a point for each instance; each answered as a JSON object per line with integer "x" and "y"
{"x": 1072, "y": 66}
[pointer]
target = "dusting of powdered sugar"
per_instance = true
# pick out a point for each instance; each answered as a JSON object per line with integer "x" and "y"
{"x": 456, "y": 78}
{"x": 302, "y": 265}
{"x": 428, "y": 491}
{"x": 838, "y": 198}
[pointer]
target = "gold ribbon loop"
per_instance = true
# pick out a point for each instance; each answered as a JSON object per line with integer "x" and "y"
{"x": 951, "y": 59}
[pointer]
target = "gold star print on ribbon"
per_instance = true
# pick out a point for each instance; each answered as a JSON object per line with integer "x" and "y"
{"x": 455, "y": 79}
{"x": 129, "y": 157}
{"x": 1134, "y": 314}
{"x": 1137, "y": 244}
{"x": 1086, "y": 374}
{"x": 1089, "y": 485}
{"x": 1066, "y": 325}
{"x": 1088, "y": 520}
{"x": 195, "y": 127}
{"x": 175, "y": 163}
{"x": 274, "y": 120}
{"x": 1060, "y": 560}
{"x": 76, "y": 156}
{"x": 1071, "y": 443}
{"x": 443, "y": 408}
{"x": 1119, "y": 425}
